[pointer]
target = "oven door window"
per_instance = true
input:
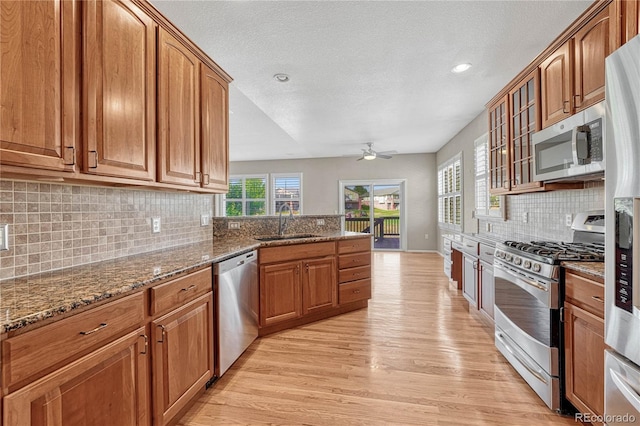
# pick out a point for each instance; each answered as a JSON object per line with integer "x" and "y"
{"x": 527, "y": 312}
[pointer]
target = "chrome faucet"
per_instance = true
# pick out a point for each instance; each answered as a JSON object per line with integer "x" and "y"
{"x": 283, "y": 224}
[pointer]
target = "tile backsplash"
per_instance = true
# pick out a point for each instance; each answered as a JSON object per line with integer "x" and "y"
{"x": 546, "y": 213}
{"x": 52, "y": 226}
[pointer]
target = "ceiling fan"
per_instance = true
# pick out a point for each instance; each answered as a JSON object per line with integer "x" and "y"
{"x": 370, "y": 154}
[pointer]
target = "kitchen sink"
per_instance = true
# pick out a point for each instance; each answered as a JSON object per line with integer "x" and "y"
{"x": 285, "y": 237}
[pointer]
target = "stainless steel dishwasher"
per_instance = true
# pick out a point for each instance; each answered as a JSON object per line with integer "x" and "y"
{"x": 237, "y": 285}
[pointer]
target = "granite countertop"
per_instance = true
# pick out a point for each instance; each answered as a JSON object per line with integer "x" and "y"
{"x": 595, "y": 269}
{"x": 28, "y": 300}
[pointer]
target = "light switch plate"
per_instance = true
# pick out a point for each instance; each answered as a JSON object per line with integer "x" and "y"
{"x": 204, "y": 220}
{"x": 155, "y": 225}
{"x": 234, "y": 225}
{"x": 4, "y": 236}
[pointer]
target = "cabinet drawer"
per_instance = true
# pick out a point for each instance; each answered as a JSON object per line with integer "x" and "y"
{"x": 352, "y": 274}
{"x": 175, "y": 293}
{"x": 354, "y": 245}
{"x": 354, "y": 291}
{"x": 353, "y": 260}
{"x": 296, "y": 252}
{"x": 38, "y": 350}
{"x": 446, "y": 244}
{"x": 585, "y": 293}
{"x": 486, "y": 253}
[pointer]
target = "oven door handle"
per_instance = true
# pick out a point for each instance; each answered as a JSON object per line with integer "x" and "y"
{"x": 520, "y": 359}
{"x": 523, "y": 279}
{"x": 629, "y": 394}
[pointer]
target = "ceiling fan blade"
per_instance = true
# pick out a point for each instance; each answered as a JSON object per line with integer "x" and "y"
{"x": 386, "y": 157}
{"x": 387, "y": 152}
{"x": 361, "y": 158}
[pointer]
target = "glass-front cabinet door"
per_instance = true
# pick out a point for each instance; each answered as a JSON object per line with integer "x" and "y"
{"x": 524, "y": 122}
{"x": 499, "y": 171}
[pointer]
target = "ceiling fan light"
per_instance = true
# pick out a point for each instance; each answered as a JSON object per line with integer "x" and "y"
{"x": 369, "y": 156}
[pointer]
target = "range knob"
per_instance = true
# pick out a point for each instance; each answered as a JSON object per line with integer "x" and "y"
{"x": 517, "y": 260}
{"x": 527, "y": 264}
{"x": 536, "y": 267}
{"x": 508, "y": 257}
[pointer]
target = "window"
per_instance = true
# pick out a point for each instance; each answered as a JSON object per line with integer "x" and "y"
{"x": 247, "y": 196}
{"x": 286, "y": 188}
{"x": 450, "y": 193}
{"x": 261, "y": 195}
{"x": 487, "y": 205}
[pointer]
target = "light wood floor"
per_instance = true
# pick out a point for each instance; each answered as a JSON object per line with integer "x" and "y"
{"x": 414, "y": 356}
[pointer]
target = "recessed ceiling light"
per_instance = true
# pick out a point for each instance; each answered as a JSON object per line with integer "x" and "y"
{"x": 460, "y": 68}
{"x": 281, "y": 77}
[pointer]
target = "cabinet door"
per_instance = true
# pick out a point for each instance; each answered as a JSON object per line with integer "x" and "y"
{"x": 107, "y": 387}
{"x": 499, "y": 170}
{"x": 119, "y": 76}
{"x": 584, "y": 359}
{"x": 591, "y": 46}
{"x": 39, "y": 81}
{"x": 319, "y": 285}
{"x": 470, "y": 280}
{"x": 182, "y": 357}
{"x": 280, "y": 292}
{"x": 524, "y": 106}
{"x": 555, "y": 76}
{"x": 487, "y": 289}
{"x": 214, "y": 130}
{"x": 178, "y": 113}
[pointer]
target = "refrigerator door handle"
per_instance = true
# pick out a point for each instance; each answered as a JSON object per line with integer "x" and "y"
{"x": 629, "y": 393}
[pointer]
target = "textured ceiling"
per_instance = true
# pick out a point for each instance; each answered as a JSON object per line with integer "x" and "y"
{"x": 363, "y": 71}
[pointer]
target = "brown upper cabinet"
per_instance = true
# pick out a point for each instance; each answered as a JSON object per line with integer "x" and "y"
{"x": 39, "y": 77}
{"x": 178, "y": 86}
{"x": 572, "y": 77}
{"x": 512, "y": 121}
{"x": 214, "y": 131}
{"x": 119, "y": 81}
{"x": 628, "y": 14}
{"x": 193, "y": 105}
{"x": 113, "y": 65}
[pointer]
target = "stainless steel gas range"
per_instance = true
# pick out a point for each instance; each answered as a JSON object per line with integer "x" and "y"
{"x": 528, "y": 298}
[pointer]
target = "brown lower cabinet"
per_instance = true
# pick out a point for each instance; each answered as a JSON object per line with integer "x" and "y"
{"x": 109, "y": 386}
{"x": 305, "y": 282}
{"x": 182, "y": 356}
{"x": 584, "y": 343}
{"x": 138, "y": 360}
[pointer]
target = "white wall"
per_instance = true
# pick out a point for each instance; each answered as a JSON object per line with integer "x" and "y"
{"x": 320, "y": 186}
{"x": 464, "y": 141}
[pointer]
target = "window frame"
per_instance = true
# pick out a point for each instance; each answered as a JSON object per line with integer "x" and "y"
{"x": 274, "y": 199}
{"x": 497, "y": 212}
{"x": 270, "y": 196}
{"x": 243, "y": 200}
{"x": 451, "y": 194}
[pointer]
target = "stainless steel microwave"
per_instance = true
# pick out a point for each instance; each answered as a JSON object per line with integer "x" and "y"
{"x": 572, "y": 148}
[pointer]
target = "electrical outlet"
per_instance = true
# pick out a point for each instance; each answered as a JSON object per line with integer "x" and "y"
{"x": 155, "y": 225}
{"x": 426, "y": 236}
{"x": 568, "y": 219}
{"x": 4, "y": 236}
{"x": 234, "y": 225}
{"x": 204, "y": 220}
{"x": 525, "y": 217}
{"x": 320, "y": 222}
{"x": 488, "y": 227}
{"x": 157, "y": 270}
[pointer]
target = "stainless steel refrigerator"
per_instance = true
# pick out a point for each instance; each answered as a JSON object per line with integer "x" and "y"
{"x": 622, "y": 233}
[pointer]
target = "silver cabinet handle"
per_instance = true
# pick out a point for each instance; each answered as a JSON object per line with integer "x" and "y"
{"x": 191, "y": 287}
{"x": 598, "y": 299}
{"x": 98, "y": 328}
